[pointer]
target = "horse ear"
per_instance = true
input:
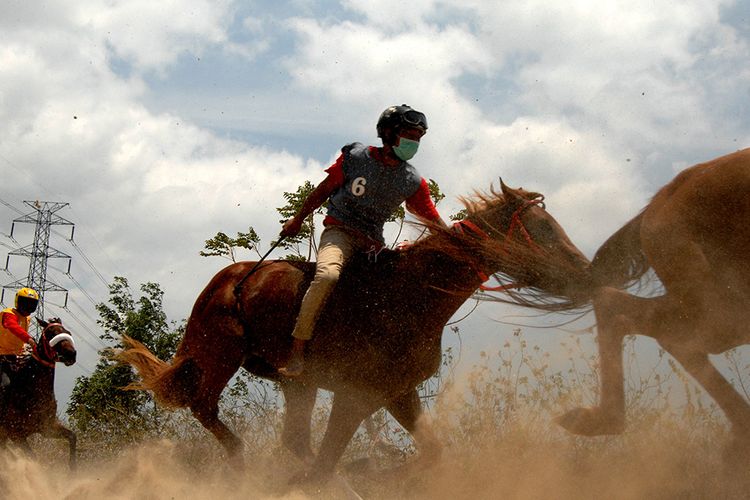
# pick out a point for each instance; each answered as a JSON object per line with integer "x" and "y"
{"x": 42, "y": 323}
{"x": 512, "y": 195}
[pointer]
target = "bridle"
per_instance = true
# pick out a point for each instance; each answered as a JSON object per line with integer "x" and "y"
{"x": 466, "y": 226}
{"x": 48, "y": 346}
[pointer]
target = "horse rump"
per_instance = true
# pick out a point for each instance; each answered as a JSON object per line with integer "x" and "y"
{"x": 172, "y": 383}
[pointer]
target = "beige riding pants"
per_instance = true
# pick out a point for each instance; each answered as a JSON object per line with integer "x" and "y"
{"x": 337, "y": 245}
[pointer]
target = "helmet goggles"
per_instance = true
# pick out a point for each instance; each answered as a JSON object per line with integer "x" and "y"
{"x": 414, "y": 118}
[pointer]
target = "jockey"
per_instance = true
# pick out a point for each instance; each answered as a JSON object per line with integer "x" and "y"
{"x": 14, "y": 328}
{"x": 363, "y": 188}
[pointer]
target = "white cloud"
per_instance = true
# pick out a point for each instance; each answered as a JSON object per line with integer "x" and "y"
{"x": 150, "y": 35}
{"x": 589, "y": 103}
{"x": 393, "y": 15}
{"x": 354, "y": 61}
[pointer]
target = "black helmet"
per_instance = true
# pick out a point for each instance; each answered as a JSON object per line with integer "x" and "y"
{"x": 395, "y": 117}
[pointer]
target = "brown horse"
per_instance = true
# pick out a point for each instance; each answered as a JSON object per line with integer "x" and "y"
{"x": 380, "y": 333}
{"x": 695, "y": 235}
{"x": 28, "y": 402}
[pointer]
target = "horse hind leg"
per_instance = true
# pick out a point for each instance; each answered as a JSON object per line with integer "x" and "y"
{"x": 735, "y": 407}
{"x": 208, "y": 415}
{"x": 215, "y": 374}
{"x": 205, "y": 408}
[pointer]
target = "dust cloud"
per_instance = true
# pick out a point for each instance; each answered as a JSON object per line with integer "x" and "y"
{"x": 519, "y": 462}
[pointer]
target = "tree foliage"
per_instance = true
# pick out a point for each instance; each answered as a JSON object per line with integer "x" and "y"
{"x": 98, "y": 402}
{"x": 222, "y": 245}
{"x": 302, "y": 245}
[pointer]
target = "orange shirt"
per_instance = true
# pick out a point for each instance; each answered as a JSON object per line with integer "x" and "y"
{"x": 14, "y": 329}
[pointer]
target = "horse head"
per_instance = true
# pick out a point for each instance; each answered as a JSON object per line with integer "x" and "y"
{"x": 56, "y": 343}
{"x": 524, "y": 244}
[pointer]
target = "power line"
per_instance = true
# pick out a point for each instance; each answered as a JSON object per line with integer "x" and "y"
{"x": 83, "y": 325}
{"x": 88, "y": 262}
{"x": 81, "y": 289}
{"x": 18, "y": 211}
{"x": 8, "y": 246}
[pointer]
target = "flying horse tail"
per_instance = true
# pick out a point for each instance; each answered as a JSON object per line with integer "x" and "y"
{"x": 620, "y": 261}
{"x": 172, "y": 383}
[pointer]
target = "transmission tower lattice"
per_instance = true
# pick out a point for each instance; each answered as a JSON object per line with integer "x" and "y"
{"x": 44, "y": 217}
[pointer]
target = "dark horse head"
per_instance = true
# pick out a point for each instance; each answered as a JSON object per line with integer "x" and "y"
{"x": 55, "y": 344}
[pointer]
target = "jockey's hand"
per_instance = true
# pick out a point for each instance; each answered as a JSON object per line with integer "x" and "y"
{"x": 32, "y": 344}
{"x": 291, "y": 227}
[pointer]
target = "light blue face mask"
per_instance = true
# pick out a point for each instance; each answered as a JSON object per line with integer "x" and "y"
{"x": 406, "y": 148}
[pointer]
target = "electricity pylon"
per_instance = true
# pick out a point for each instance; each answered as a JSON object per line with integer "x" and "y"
{"x": 43, "y": 217}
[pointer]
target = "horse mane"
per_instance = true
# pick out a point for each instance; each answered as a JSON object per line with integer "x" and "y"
{"x": 518, "y": 263}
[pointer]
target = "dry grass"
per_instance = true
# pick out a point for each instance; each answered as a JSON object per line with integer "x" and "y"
{"x": 495, "y": 422}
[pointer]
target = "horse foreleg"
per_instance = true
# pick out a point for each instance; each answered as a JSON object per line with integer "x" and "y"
{"x": 58, "y": 430}
{"x": 347, "y": 414}
{"x": 407, "y": 410}
{"x": 614, "y": 313}
{"x": 299, "y": 402}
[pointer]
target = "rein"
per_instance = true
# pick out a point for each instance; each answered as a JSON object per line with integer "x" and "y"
{"x": 239, "y": 284}
{"x": 515, "y": 222}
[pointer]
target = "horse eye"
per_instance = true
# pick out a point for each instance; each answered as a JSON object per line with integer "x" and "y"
{"x": 545, "y": 229}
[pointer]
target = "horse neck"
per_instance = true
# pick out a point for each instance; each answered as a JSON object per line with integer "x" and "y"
{"x": 36, "y": 380}
{"x": 442, "y": 277}
{"x": 44, "y": 369}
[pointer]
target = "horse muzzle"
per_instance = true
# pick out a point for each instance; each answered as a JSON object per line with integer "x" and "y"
{"x": 67, "y": 358}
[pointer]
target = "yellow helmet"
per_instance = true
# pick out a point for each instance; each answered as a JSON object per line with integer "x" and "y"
{"x": 27, "y": 300}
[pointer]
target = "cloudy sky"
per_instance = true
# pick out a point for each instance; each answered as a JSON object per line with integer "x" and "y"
{"x": 162, "y": 123}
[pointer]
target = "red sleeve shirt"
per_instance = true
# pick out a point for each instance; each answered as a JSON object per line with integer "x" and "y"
{"x": 10, "y": 322}
{"x": 421, "y": 204}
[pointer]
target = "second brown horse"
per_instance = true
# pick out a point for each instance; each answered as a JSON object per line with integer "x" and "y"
{"x": 379, "y": 335}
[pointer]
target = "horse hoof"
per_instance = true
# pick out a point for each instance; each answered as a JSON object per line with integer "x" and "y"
{"x": 591, "y": 422}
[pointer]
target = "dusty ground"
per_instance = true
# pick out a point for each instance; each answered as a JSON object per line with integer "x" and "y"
{"x": 651, "y": 464}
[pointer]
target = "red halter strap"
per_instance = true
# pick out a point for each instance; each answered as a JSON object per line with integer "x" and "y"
{"x": 46, "y": 349}
{"x": 515, "y": 221}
